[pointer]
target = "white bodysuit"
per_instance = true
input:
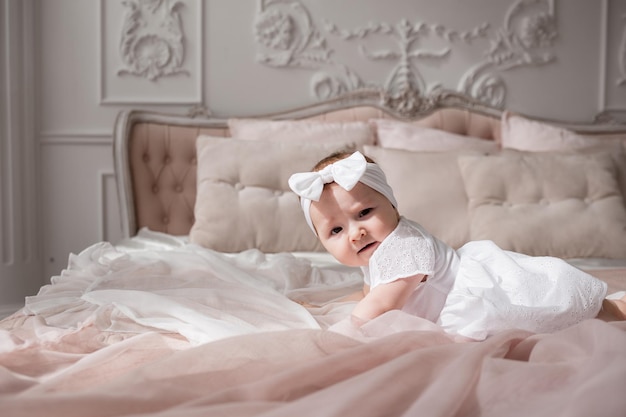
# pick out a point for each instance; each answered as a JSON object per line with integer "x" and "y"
{"x": 481, "y": 289}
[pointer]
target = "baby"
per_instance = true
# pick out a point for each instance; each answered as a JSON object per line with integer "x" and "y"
{"x": 474, "y": 291}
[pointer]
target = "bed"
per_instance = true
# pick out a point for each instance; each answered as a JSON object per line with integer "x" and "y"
{"x": 220, "y": 302}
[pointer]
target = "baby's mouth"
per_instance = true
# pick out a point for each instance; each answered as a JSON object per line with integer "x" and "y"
{"x": 366, "y": 247}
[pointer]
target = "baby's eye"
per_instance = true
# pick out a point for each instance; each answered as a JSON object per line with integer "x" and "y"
{"x": 335, "y": 230}
{"x": 365, "y": 212}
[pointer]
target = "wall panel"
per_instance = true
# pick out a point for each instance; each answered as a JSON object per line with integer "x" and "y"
{"x": 613, "y": 46}
{"x": 20, "y": 256}
{"x": 80, "y": 205}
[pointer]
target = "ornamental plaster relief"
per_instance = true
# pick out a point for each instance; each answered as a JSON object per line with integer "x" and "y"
{"x": 151, "y": 51}
{"x": 152, "y": 39}
{"x": 287, "y": 36}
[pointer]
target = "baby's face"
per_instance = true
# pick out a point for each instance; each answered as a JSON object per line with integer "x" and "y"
{"x": 352, "y": 224}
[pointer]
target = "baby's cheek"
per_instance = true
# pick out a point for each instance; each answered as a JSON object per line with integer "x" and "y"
{"x": 338, "y": 252}
{"x": 330, "y": 248}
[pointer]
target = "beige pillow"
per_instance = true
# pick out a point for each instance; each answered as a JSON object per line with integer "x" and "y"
{"x": 429, "y": 189}
{"x": 359, "y": 133}
{"x": 409, "y": 136}
{"x": 243, "y": 199}
{"x": 565, "y": 205}
{"x": 519, "y": 133}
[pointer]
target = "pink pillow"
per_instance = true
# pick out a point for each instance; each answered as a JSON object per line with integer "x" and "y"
{"x": 359, "y": 133}
{"x": 529, "y": 135}
{"x": 408, "y": 136}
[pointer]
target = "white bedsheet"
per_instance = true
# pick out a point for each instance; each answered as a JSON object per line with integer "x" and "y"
{"x": 155, "y": 281}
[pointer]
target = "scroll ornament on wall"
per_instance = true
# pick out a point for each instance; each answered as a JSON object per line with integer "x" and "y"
{"x": 287, "y": 37}
{"x": 152, "y": 42}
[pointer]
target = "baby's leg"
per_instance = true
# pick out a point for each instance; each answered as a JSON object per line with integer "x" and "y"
{"x": 613, "y": 309}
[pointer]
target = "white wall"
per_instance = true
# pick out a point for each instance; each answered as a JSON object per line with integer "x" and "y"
{"x": 65, "y": 77}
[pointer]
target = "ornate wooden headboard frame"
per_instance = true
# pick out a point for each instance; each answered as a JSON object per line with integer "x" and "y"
{"x": 141, "y": 149}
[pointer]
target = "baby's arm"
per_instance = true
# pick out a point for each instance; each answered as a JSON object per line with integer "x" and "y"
{"x": 386, "y": 297}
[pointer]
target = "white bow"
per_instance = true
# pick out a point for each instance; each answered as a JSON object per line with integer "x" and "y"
{"x": 345, "y": 172}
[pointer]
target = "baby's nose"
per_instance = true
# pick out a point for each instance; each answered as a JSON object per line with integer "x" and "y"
{"x": 357, "y": 233}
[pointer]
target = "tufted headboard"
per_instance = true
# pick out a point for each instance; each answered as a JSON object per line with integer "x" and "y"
{"x": 155, "y": 153}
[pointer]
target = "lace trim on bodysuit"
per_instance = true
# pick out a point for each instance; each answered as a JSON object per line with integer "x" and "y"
{"x": 404, "y": 253}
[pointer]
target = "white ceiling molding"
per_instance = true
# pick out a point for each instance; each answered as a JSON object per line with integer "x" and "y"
{"x": 287, "y": 37}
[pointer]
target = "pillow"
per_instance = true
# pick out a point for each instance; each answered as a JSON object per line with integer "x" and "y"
{"x": 409, "y": 136}
{"x": 359, "y": 133}
{"x": 463, "y": 122}
{"x": 243, "y": 200}
{"x": 522, "y": 134}
{"x": 429, "y": 189}
{"x": 564, "y": 205}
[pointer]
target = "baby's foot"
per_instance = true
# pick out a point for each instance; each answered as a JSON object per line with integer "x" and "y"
{"x": 616, "y": 308}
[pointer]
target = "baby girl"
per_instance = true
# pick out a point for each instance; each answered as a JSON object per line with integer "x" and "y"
{"x": 474, "y": 291}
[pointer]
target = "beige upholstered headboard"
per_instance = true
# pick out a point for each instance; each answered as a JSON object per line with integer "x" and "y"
{"x": 155, "y": 154}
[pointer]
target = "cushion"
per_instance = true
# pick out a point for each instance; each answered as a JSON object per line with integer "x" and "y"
{"x": 463, "y": 122}
{"x": 565, "y": 205}
{"x": 429, "y": 189}
{"x": 243, "y": 199}
{"x": 409, "y": 136}
{"x": 522, "y": 134}
{"x": 360, "y": 133}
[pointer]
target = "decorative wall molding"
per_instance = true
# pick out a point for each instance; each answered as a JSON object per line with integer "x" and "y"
{"x": 152, "y": 41}
{"x": 604, "y": 35}
{"x": 158, "y": 56}
{"x": 525, "y": 39}
{"x": 612, "y": 89}
{"x": 286, "y": 29}
{"x": 20, "y": 249}
{"x": 405, "y": 81}
{"x": 106, "y": 199}
{"x": 18, "y": 214}
{"x": 621, "y": 55}
{"x": 75, "y": 138}
{"x": 287, "y": 37}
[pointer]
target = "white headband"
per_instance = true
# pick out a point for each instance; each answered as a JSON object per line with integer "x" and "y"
{"x": 346, "y": 173}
